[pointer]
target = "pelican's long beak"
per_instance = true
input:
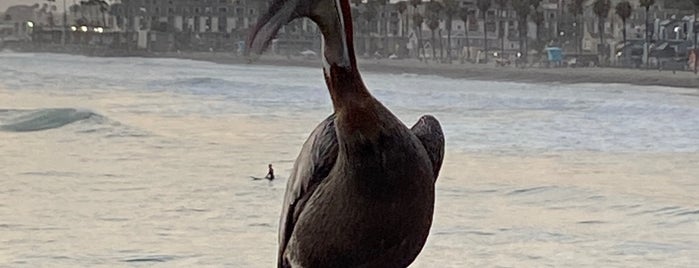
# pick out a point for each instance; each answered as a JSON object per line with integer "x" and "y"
{"x": 280, "y": 13}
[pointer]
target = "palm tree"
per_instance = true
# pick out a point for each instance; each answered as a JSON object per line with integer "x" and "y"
{"x": 358, "y": 24}
{"x": 383, "y": 29}
{"x": 402, "y": 6}
{"x": 535, "y": 8}
{"x": 418, "y": 20}
{"x": 601, "y": 9}
{"x": 484, "y": 6}
{"x": 117, "y": 10}
{"x": 46, "y": 11}
{"x": 535, "y": 4}
{"x": 696, "y": 38}
{"x": 357, "y": 14}
{"x": 369, "y": 13}
{"x": 433, "y": 24}
{"x": 522, "y": 8}
{"x": 104, "y": 8}
{"x": 433, "y": 10}
{"x": 82, "y": 6}
{"x": 417, "y": 24}
{"x": 463, "y": 15}
{"x": 623, "y": 10}
{"x": 502, "y": 6}
{"x": 380, "y": 9}
{"x": 576, "y": 8}
{"x": 74, "y": 9}
{"x": 451, "y": 8}
{"x": 538, "y": 18}
{"x": 647, "y": 4}
{"x": 88, "y": 5}
{"x": 415, "y": 3}
{"x": 50, "y": 19}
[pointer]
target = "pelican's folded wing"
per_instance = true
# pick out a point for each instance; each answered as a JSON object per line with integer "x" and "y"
{"x": 316, "y": 159}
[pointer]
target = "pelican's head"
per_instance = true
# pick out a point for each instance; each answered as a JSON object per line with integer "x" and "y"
{"x": 329, "y": 15}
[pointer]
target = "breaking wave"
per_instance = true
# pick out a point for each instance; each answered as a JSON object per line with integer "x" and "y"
{"x": 42, "y": 119}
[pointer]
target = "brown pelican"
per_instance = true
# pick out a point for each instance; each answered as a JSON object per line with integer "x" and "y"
{"x": 361, "y": 193}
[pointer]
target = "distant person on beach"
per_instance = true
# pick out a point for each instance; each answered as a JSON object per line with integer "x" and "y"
{"x": 269, "y": 176}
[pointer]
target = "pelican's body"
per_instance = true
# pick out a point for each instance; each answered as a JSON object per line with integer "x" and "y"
{"x": 361, "y": 193}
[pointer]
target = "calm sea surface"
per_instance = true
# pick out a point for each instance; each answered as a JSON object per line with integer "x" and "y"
{"x": 110, "y": 162}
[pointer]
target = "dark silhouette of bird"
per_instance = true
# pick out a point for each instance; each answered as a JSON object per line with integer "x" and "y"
{"x": 361, "y": 192}
{"x": 269, "y": 176}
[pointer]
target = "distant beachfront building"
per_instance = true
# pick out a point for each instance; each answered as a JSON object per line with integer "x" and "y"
{"x": 671, "y": 30}
{"x": 503, "y": 27}
{"x": 201, "y": 24}
{"x": 7, "y": 29}
{"x": 16, "y": 22}
{"x": 188, "y": 15}
{"x": 382, "y": 28}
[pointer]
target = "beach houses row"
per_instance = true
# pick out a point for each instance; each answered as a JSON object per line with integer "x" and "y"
{"x": 406, "y": 28}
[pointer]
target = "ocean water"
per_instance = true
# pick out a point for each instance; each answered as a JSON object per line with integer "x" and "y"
{"x": 109, "y": 162}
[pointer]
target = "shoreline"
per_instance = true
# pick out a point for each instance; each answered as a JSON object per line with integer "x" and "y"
{"x": 469, "y": 71}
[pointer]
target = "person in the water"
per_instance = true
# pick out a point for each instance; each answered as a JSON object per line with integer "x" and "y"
{"x": 269, "y": 176}
{"x": 270, "y": 173}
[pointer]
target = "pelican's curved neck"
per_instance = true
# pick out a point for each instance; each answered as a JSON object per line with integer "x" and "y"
{"x": 339, "y": 63}
{"x": 338, "y": 48}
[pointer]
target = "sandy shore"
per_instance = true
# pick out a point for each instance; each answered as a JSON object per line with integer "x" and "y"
{"x": 486, "y": 72}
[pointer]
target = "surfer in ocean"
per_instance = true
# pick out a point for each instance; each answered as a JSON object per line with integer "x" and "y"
{"x": 269, "y": 176}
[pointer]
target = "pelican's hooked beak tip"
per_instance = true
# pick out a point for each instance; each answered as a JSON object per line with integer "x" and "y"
{"x": 279, "y": 14}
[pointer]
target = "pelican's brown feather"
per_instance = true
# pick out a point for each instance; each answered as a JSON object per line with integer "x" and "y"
{"x": 316, "y": 159}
